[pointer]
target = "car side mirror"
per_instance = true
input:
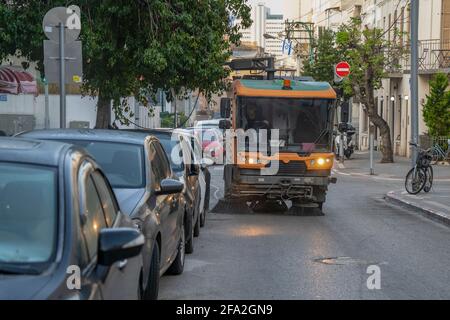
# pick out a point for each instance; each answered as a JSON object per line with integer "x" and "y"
{"x": 119, "y": 244}
{"x": 225, "y": 124}
{"x": 170, "y": 186}
{"x": 225, "y": 107}
{"x": 206, "y": 162}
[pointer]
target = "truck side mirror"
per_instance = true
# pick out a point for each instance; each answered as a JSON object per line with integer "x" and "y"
{"x": 225, "y": 107}
{"x": 224, "y": 124}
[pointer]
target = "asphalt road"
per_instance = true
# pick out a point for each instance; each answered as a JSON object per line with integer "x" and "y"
{"x": 264, "y": 256}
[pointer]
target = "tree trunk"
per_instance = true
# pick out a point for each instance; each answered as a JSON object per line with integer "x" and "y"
{"x": 387, "y": 150}
{"x": 103, "y": 112}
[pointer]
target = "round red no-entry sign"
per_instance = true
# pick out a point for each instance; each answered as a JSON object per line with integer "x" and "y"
{"x": 342, "y": 69}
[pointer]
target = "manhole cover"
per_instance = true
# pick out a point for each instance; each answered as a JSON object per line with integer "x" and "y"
{"x": 343, "y": 261}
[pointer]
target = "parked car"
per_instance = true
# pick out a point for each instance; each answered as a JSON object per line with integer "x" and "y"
{"x": 213, "y": 123}
{"x": 62, "y": 235}
{"x": 204, "y": 162}
{"x": 189, "y": 170}
{"x": 211, "y": 140}
{"x": 146, "y": 188}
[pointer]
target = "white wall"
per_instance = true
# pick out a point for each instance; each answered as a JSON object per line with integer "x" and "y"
{"x": 78, "y": 109}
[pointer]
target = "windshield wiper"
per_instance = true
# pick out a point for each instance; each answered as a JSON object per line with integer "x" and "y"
{"x": 6, "y": 268}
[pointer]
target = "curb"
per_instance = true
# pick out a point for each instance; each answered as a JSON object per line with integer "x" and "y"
{"x": 429, "y": 213}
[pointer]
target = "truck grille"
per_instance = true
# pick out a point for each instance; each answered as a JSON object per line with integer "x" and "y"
{"x": 292, "y": 168}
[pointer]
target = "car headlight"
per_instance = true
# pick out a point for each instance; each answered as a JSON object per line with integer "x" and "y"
{"x": 321, "y": 161}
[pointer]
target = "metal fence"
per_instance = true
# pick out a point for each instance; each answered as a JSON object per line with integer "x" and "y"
{"x": 433, "y": 55}
{"x": 428, "y": 142}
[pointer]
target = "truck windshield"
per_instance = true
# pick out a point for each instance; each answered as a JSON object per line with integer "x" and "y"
{"x": 304, "y": 124}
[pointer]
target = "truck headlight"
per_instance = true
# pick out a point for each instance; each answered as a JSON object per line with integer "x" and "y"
{"x": 321, "y": 161}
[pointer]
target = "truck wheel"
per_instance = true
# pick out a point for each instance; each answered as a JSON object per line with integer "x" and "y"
{"x": 227, "y": 177}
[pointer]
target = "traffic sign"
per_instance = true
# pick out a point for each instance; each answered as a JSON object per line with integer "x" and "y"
{"x": 69, "y": 17}
{"x": 342, "y": 69}
{"x": 73, "y": 62}
{"x": 62, "y": 52}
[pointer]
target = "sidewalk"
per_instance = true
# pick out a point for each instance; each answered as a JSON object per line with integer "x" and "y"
{"x": 359, "y": 165}
{"x": 434, "y": 205}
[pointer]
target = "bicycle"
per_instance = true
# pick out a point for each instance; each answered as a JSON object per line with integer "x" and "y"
{"x": 421, "y": 176}
{"x": 439, "y": 154}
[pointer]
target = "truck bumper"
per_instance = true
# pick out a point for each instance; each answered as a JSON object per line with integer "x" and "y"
{"x": 308, "y": 188}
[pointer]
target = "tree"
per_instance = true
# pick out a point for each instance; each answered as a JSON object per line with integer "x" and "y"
{"x": 370, "y": 56}
{"x": 325, "y": 57}
{"x": 132, "y": 48}
{"x": 436, "y": 111}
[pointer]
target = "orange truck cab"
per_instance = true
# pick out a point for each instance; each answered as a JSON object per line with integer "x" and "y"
{"x": 298, "y": 118}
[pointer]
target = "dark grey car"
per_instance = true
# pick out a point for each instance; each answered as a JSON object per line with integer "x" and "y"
{"x": 139, "y": 172}
{"x": 61, "y": 233}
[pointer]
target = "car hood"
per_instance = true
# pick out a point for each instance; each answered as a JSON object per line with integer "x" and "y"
{"x": 22, "y": 287}
{"x": 128, "y": 199}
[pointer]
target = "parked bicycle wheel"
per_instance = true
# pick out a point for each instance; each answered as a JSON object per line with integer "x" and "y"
{"x": 415, "y": 180}
{"x": 428, "y": 180}
{"x": 436, "y": 155}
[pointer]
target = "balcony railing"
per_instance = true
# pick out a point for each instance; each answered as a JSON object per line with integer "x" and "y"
{"x": 434, "y": 55}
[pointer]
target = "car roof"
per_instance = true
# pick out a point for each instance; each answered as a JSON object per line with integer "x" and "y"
{"x": 120, "y": 136}
{"x": 162, "y": 131}
{"x": 46, "y": 153}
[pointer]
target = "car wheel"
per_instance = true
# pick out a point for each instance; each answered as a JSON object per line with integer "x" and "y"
{"x": 203, "y": 218}
{"x": 152, "y": 289}
{"x": 177, "y": 266}
{"x": 189, "y": 233}
{"x": 197, "y": 226}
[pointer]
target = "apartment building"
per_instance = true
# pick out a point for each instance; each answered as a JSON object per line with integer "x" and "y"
{"x": 267, "y": 32}
{"x": 392, "y": 16}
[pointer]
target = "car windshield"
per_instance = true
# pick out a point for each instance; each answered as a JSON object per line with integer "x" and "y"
{"x": 28, "y": 216}
{"x": 303, "y": 124}
{"x": 122, "y": 163}
{"x": 173, "y": 151}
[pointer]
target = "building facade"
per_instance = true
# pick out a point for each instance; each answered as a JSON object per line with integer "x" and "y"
{"x": 393, "y": 17}
{"x": 267, "y": 32}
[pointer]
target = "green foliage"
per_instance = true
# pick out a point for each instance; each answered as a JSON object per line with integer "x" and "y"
{"x": 371, "y": 57}
{"x": 325, "y": 57}
{"x": 436, "y": 111}
{"x": 168, "y": 119}
{"x": 132, "y": 48}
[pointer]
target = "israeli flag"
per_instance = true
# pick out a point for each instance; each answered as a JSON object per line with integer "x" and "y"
{"x": 287, "y": 46}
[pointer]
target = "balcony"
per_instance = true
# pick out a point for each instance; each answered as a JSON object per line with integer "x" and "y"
{"x": 434, "y": 56}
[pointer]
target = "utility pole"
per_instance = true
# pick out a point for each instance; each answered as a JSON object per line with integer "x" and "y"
{"x": 414, "y": 76}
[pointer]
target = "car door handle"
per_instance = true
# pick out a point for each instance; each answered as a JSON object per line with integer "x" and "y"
{"x": 122, "y": 264}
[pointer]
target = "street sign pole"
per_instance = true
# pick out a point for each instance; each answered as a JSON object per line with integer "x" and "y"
{"x": 62, "y": 76}
{"x": 47, "y": 109}
{"x": 371, "y": 146}
{"x": 414, "y": 77}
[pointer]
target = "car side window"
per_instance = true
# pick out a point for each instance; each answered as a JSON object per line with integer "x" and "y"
{"x": 95, "y": 220}
{"x": 165, "y": 164}
{"x": 109, "y": 205}
{"x": 156, "y": 167}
